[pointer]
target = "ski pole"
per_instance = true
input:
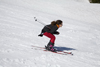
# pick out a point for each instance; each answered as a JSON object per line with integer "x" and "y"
{"x": 39, "y": 21}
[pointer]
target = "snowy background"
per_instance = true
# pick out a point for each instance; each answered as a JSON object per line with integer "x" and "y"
{"x": 80, "y": 33}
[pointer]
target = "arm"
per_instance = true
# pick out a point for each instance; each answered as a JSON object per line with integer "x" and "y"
{"x": 56, "y": 32}
{"x": 41, "y": 34}
{"x": 53, "y": 30}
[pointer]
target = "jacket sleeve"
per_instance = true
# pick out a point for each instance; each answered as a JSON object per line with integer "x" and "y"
{"x": 56, "y": 32}
{"x": 53, "y": 29}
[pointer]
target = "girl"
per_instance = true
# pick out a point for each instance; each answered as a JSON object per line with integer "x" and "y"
{"x": 49, "y": 31}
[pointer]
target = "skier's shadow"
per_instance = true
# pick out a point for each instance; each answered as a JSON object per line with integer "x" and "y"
{"x": 63, "y": 48}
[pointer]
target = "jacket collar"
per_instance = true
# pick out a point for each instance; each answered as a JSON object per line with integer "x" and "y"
{"x": 57, "y": 25}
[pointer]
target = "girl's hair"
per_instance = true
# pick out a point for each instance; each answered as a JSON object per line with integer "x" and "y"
{"x": 56, "y": 22}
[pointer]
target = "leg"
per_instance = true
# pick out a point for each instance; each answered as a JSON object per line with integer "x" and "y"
{"x": 52, "y": 40}
{"x": 51, "y": 36}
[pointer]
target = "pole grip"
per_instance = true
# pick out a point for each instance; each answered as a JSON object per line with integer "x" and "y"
{"x": 39, "y": 21}
{"x": 35, "y": 18}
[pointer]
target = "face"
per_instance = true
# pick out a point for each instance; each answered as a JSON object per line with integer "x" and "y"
{"x": 60, "y": 25}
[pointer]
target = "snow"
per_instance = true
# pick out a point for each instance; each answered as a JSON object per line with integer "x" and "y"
{"x": 80, "y": 33}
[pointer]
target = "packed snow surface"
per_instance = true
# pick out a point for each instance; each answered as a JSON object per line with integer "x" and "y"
{"x": 80, "y": 33}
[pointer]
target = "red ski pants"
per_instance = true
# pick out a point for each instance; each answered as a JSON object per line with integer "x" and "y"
{"x": 51, "y": 36}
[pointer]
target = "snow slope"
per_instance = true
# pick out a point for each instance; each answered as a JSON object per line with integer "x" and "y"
{"x": 18, "y": 31}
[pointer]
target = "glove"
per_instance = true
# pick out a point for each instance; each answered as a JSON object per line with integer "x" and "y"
{"x": 57, "y": 33}
{"x": 41, "y": 35}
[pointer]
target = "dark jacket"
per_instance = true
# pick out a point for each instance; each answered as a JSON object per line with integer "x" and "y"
{"x": 50, "y": 29}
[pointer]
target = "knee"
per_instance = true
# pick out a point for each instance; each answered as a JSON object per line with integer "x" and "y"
{"x": 54, "y": 38}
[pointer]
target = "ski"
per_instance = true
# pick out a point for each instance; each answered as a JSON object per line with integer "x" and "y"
{"x": 60, "y": 52}
{"x": 57, "y": 51}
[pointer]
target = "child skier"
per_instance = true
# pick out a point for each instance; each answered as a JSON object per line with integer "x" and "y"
{"x": 49, "y": 31}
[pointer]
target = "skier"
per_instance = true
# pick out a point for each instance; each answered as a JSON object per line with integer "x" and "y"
{"x": 49, "y": 31}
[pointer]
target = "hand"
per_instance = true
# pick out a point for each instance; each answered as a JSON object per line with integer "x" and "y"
{"x": 41, "y": 35}
{"x": 57, "y": 33}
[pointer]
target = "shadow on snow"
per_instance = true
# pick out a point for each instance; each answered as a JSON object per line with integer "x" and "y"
{"x": 63, "y": 48}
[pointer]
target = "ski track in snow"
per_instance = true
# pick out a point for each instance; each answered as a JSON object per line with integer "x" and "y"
{"x": 18, "y": 31}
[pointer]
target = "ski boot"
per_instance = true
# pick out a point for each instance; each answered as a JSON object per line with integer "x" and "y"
{"x": 49, "y": 47}
{"x": 52, "y": 49}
